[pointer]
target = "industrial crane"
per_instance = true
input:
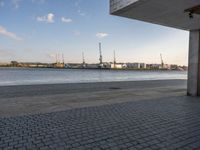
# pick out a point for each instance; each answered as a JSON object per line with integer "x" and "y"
{"x": 162, "y": 62}
{"x": 114, "y": 58}
{"x": 83, "y": 57}
{"x": 100, "y": 57}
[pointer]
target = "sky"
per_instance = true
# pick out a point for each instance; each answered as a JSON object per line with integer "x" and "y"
{"x": 37, "y": 30}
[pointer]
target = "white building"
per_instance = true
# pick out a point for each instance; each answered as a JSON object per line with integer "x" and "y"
{"x": 136, "y": 65}
{"x": 116, "y": 66}
{"x": 143, "y": 66}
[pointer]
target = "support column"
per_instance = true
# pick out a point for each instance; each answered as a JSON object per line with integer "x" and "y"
{"x": 194, "y": 64}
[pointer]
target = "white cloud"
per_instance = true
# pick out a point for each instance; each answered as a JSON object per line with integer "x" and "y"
{"x": 8, "y": 34}
{"x": 15, "y": 3}
{"x": 49, "y": 18}
{"x": 66, "y": 20}
{"x": 101, "y": 35}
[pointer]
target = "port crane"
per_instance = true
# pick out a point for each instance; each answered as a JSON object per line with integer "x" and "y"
{"x": 100, "y": 57}
{"x": 83, "y": 58}
{"x": 162, "y": 62}
{"x": 114, "y": 58}
{"x": 63, "y": 59}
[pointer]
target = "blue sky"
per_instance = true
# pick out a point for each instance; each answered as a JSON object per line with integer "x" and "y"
{"x": 35, "y": 30}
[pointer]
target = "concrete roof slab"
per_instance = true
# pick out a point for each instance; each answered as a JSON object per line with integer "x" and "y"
{"x": 169, "y": 13}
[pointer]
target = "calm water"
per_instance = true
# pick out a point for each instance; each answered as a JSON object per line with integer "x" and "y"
{"x": 20, "y": 76}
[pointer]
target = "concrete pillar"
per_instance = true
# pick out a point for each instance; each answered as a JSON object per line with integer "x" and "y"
{"x": 194, "y": 64}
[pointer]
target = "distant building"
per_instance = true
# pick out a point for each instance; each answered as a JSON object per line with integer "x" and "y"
{"x": 4, "y": 65}
{"x": 174, "y": 67}
{"x": 30, "y": 64}
{"x": 143, "y": 66}
{"x": 116, "y": 66}
{"x": 59, "y": 65}
{"x": 133, "y": 65}
{"x": 92, "y": 66}
{"x": 153, "y": 66}
{"x": 14, "y": 64}
{"x": 74, "y": 65}
{"x": 67, "y": 66}
{"x": 167, "y": 66}
{"x": 136, "y": 65}
{"x": 106, "y": 65}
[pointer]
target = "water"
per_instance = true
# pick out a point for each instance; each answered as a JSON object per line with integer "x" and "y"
{"x": 22, "y": 76}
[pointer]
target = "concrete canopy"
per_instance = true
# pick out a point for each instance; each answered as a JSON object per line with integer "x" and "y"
{"x": 171, "y": 13}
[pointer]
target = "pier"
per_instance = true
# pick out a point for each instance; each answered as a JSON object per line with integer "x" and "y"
{"x": 119, "y": 115}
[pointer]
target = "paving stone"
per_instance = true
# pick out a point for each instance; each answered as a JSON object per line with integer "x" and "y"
{"x": 171, "y": 123}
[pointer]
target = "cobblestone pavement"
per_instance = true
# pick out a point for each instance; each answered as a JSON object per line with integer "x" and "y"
{"x": 169, "y": 123}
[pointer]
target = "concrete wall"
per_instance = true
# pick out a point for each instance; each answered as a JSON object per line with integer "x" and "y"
{"x": 194, "y": 64}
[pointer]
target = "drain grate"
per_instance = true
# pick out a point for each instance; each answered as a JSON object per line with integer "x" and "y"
{"x": 114, "y": 88}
